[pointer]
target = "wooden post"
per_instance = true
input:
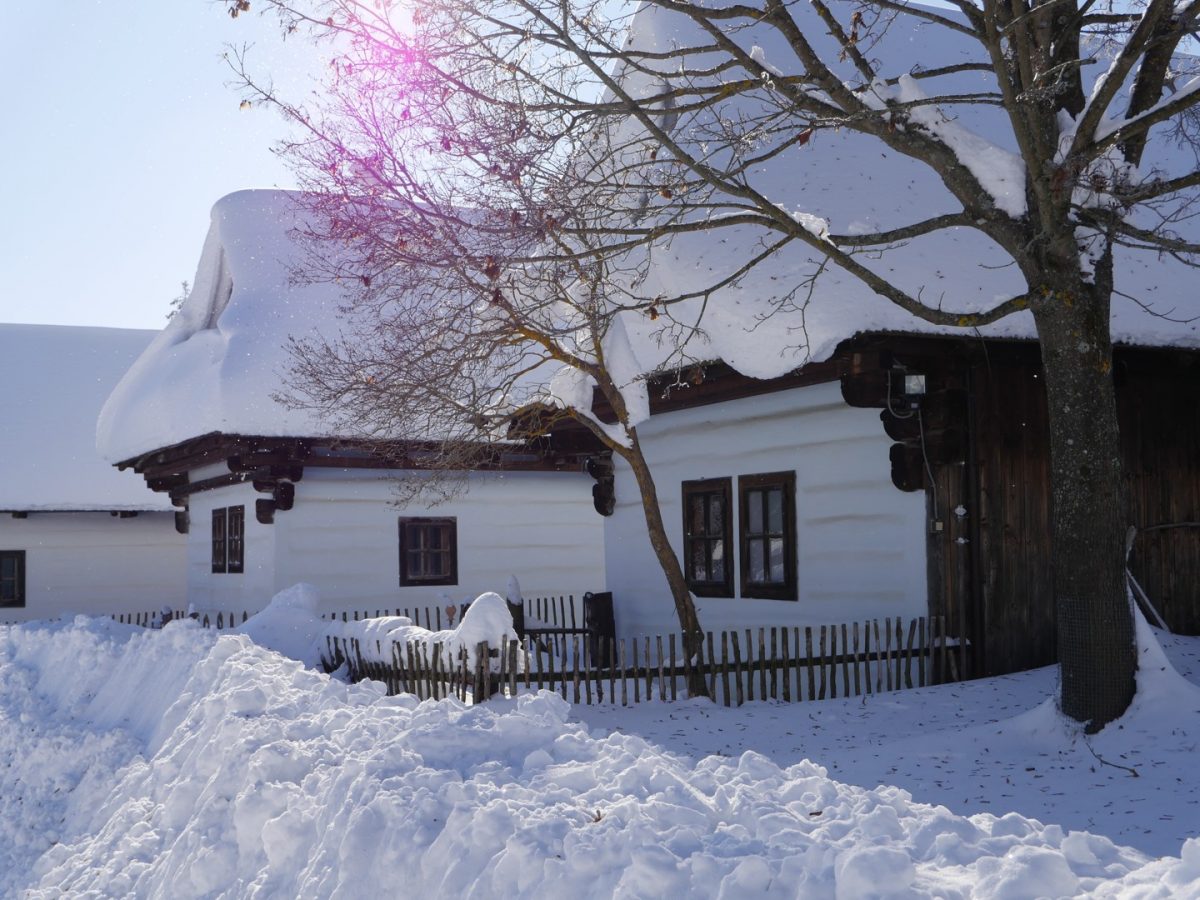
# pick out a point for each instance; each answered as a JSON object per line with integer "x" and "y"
{"x": 845, "y": 663}
{"x": 878, "y": 658}
{"x": 512, "y": 668}
{"x": 671, "y": 643}
{"x": 808, "y": 660}
{"x": 762, "y": 664}
{"x": 924, "y": 648}
{"x": 502, "y": 652}
{"x": 725, "y": 666}
{"x": 908, "y": 653}
{"x": 887, "y": 636}
{"x": 624, "y": 680}
{"x": 737, "y": 668}
{"x": 787, "y": 670}
{"x": 612, "y": 669}
{"x": 833, "y": 673}
{"x": 649, "y": 673}
{"x": 712, "y": 669}
{"x": 637, "y": 682}
{"x": 662, "y": 686}
{"x": 857, "y": 673}
{"x": 528, "y": 660}
{"x": 749, "y": 666}
{"x": 821, "y": 664}
{"x": 575, "y": 667}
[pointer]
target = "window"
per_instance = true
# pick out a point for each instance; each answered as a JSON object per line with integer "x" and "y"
{"x": 229, "y": 539}
{"x": 767, "y": 524}
{"x": 12, "y": 577}
{"x": 428, "y": 551}
{"x": 707, "y": 562}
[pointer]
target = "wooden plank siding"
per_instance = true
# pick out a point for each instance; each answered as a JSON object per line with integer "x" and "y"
{"x": 990, "y": 569}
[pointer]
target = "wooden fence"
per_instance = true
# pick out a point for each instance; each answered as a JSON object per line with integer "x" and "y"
{"x": 781, "y": 663}
{"x": 563, "y": 611}
{"x": 218, "y": 620}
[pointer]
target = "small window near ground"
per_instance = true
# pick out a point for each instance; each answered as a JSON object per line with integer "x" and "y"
{"x": 12, "y": 577}
{"x": 707, "y": 562}
{"x": 767, "y": 523}
{"x": 428, "y": 551}
{"x": 229, "y": 539}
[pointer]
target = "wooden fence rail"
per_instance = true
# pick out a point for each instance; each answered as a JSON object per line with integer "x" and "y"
{"x": 780, "y": 663}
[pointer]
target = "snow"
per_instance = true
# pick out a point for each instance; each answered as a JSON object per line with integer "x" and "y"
{"x": 184, "y": 763}
{"x": 795, "y": 307}
{"x": 289, "y": 624}
{"x": 220, "y": 361}
{"x": 487, "y": 619}
{"x": 55, "y": 380}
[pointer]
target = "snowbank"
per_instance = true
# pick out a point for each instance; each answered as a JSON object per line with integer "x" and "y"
{"x": 486, "y": 619}
{"x": 183, "y": 764}
{"x": 290, "y": 625}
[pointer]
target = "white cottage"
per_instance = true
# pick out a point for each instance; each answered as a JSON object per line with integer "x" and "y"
{"x": 75, "y": 535}
{"x": 821, "y": 455}
{"x": 271, "y": 497}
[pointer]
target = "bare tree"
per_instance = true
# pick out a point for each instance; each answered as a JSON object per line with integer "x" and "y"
{"x": 587, "y": 140}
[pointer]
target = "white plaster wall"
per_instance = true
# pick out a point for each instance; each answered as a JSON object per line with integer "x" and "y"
{"x": 95, "y": 563}
{"x": 229, "y": 591}
{"x": 860, "y": 541}
{"x": 342, "y": 536}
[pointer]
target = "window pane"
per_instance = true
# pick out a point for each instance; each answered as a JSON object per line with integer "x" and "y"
{"x": 718, "y": 561}
{"x": 775, "y": 511}
{"x": 8, "y": 567}
{"x": 716, "y": 514}
{"x": 696, "y": 514}
{"x": 758, "y": 570}
{"x": 776, "y": 561}
{"x": 439, "y": 563}
{"x": 699, "y": 563}
{"x": 415, "y": 567}
{"x": 754, "y": 514}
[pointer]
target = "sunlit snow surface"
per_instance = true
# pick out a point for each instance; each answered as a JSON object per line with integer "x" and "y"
{"x": 179, "y": 764}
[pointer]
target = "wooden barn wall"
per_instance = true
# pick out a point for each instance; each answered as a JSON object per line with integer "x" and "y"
{"x": 1160, "y": 435}
{"x": 990, "y": 570}
{"x": 1016, "y": 579}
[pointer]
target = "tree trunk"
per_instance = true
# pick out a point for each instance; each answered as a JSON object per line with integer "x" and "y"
{"x": 1096, "y": 651}
{"x": 685, "y": 608}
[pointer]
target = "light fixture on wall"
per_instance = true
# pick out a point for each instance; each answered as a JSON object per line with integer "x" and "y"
{"x": 914, "y": 385}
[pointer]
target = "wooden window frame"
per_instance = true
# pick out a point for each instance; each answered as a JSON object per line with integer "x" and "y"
{"x": 229, "y": 540}
{"x": 17, "y": 601}
{"x": 708, "y": 486}
{"x": 220, "y": 555}
{"x": 788, "y": 588}
{"x": 235, "y": 539}
{"x": 404, "y": 539}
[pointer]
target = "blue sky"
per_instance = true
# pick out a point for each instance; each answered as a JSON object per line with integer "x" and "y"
{"x": 119, "y": 133}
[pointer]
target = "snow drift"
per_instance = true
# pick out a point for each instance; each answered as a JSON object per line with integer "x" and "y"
{"x": 179, "y": 763}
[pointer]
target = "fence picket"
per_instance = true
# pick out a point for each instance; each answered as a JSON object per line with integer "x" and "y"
{"x": 671, "y": 643}
{"x": 845, "y": 662}
{"x": 784, "y": 675}
{"x": 762, "y": 664}
{"x": 749, "y": 666}
{"x": 737, "y": 669}
{"x": 575, "y": 666}
{"x": 821, "y": 665}
{"x": 725, "y": 666}
{"x": 808, "y": 661}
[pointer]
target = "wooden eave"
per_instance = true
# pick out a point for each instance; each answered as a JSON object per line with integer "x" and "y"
{"x": 270, "y": 461}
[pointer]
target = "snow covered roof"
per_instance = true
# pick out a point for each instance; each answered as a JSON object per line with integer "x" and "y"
{"x": 855, "y": 184}
{"x": 54, "y": 380}
{"x": 217, "y": 363}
